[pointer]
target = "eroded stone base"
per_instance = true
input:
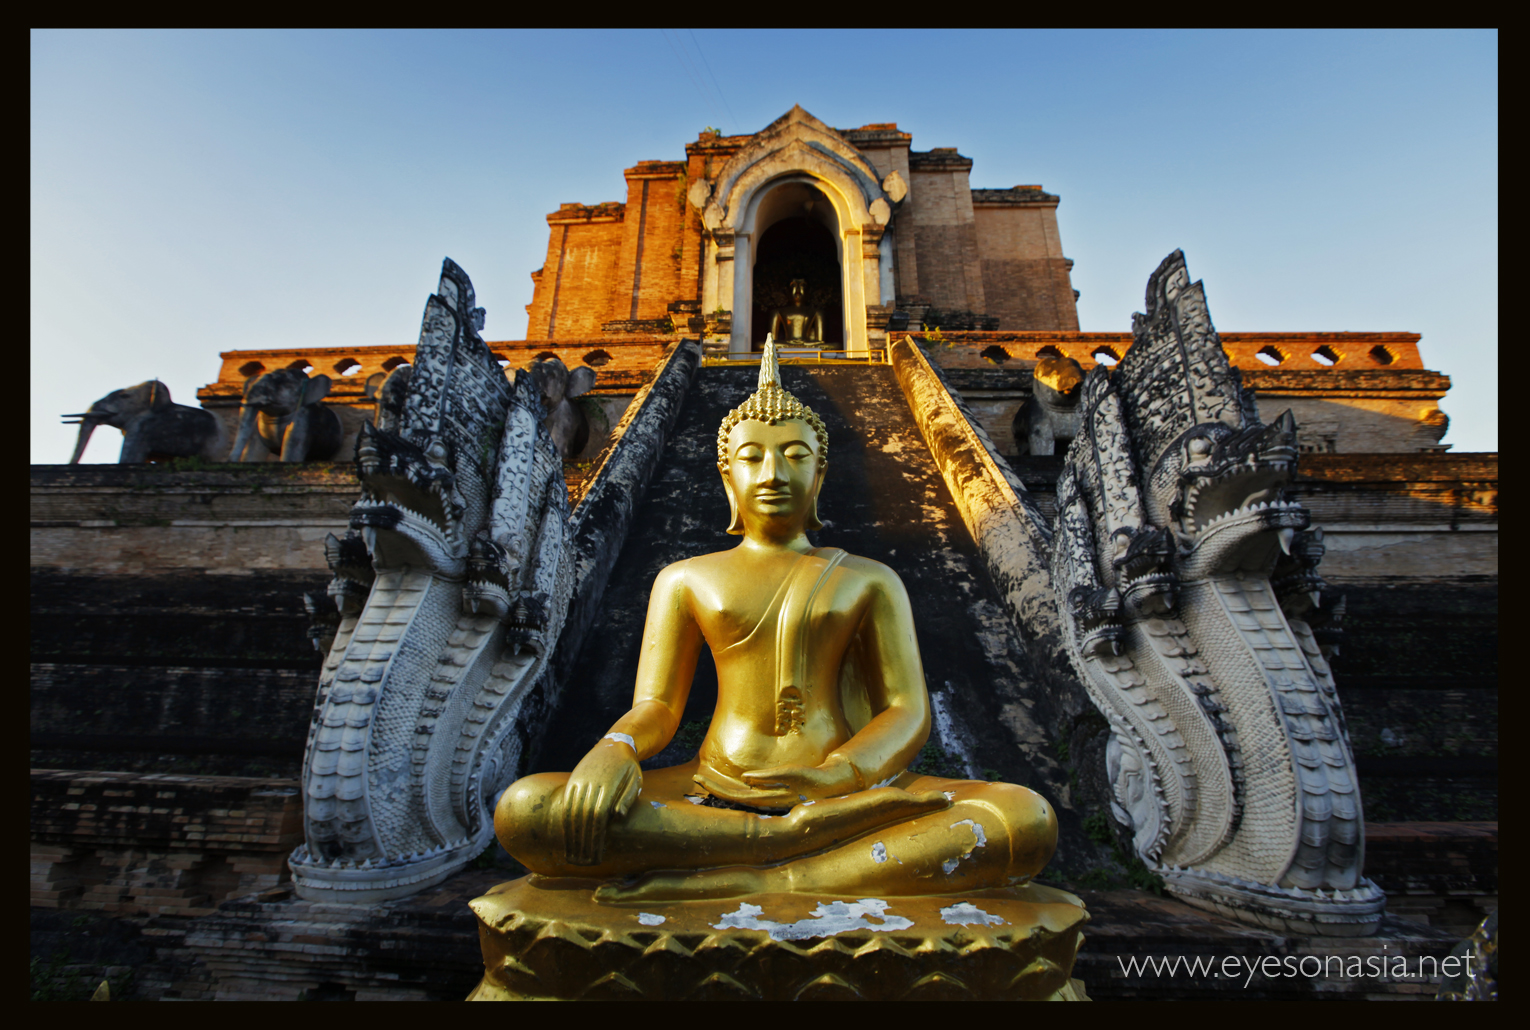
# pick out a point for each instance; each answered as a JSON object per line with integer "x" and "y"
{"x": 548, "y": 939}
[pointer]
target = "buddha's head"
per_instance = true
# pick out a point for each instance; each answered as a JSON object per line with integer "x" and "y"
{"x": 798, "y": 288}
{"x": 772, "y": 451}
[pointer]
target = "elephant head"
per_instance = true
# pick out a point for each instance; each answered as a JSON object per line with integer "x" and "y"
{"x": 566, "y": 421}
{"x": 270, "y": 403}
{"x": 1056, "y": 382}
{"x": 120, "y": 409}
{"x": 1049, "y": 421}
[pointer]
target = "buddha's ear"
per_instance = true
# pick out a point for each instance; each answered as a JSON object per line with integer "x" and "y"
{"x": 812, "y": 519}
{"x": 735, "y": 523}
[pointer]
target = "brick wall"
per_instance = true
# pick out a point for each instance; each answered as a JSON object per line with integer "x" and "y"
{"x": 1401, "y": 517}
{"x": 618, "y": 262}
{"x": 1438, "y": 874}
{"x": 157, "y": 843}
{"x": 1025, "y": 275}
{"x": 939, "y": 212}
{"x": 588, "y": 290}
{"x": 1029, "y": 294}
{"x": 1291, "y": 352}
{"x": 230, "y": 520}
{"x": 650, "y": 273}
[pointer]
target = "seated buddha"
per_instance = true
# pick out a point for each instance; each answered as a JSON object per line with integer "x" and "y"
{"x": 802, "y": 783}
{"x": 797, "y": 324}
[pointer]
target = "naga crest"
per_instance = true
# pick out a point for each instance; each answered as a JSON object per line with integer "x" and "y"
{"x": 451, "y": 587}
{"x": 1190, "y": 595}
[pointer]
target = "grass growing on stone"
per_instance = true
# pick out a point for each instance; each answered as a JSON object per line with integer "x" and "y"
{"x": 1128, "y": 871}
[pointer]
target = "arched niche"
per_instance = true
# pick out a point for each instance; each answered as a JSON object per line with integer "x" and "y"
{"x": 796, "y": 234}
{"x": 753, "y": 191}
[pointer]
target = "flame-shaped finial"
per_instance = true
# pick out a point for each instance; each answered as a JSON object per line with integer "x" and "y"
{"x": 770, "y": 367}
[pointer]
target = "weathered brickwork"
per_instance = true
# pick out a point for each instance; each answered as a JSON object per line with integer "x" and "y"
{"x": 945, "y": 233}
{"x": 1000, "y": 263}
{"x": 624, "y": 362}
{"x": 1293, "y": 352}
{"x": 156, "y": 843}
{"x": 580, "y": 282}
{"x": 1404, "y": 518}
{"x": 650, "y": 273}
{"x": 1025, "y": 275}
{"x": 224, "y": 520}
{"x": 1437, "y": 874}
{"x": 1351, "y": 393}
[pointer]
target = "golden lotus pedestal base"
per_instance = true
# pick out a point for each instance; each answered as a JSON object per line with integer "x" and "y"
{"x": 548, "y": 939}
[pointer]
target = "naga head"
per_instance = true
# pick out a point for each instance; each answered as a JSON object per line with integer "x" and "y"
{"x": 1212, "y": 473}
{"x": 1142, "y": 558}
{"x": 487, "y": 591}
{"x": 426, "y": 467}
{"x": 410, "y": 510}
{"x": 1228, "y": 506}
{"x": 351, "y": 568}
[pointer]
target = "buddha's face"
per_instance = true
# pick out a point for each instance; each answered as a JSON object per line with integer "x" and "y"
{"x": 773, "y": 471}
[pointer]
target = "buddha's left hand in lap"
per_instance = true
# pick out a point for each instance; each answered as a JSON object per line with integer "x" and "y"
{"x": 832, "y": 778}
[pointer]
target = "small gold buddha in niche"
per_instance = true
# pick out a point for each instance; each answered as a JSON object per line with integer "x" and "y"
{"x": 802, "y": 782}
{"x": 797, "y": 324}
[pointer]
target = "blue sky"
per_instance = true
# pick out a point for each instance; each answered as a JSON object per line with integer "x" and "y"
{"x": 195, "y": 192}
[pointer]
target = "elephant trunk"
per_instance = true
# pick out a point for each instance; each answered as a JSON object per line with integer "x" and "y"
{"x": 87, "y": 426}
{"x": 246, "y": 432}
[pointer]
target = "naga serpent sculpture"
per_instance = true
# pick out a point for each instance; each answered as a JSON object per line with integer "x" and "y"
{"x": 1193, "y": 614}
{"x": 452, "y": 587}
{"x": 1191, "y": 601}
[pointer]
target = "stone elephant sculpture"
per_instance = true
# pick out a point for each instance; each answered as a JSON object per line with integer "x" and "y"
{"x": 570, "y": 424}
{"x": 1049, "y": 421}
{"x": 152, "y": 425}
{"x": 282, "y": 408}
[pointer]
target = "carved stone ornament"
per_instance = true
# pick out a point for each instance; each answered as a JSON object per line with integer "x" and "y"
{"x": 452, "y": 587}
{"x": 151, "y": 424}
{"x": 1191, "y": 612}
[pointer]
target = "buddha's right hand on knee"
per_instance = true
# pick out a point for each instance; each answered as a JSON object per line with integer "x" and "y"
{"x": 604, "y": 784}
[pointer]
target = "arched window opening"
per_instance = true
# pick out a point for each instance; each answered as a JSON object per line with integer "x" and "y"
{"x": 1326, "y": 355}
{"x": 1049, "y": 351}
{"x": 392, "y": 363}
{"x": 596, "y": 358}
{"x": 995, "y": 355}
{"x": 546, "y": 355}
{"x": 1106, "y": 357}
{"x": 251, "y": 368}
{"x": 347, "y": 366}
{"x": 1382, "y": 356}
{"x": 1271, "y": 355}
{"x": 301, "y": 365}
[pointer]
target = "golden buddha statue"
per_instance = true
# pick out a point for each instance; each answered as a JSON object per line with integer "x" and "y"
{"x": 801, "y": 785}
{"x": 797, "y": 324}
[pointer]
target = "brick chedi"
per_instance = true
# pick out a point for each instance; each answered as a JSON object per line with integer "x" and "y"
{"x": 893, "y": 241}
{"x": 906, "y": 230}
